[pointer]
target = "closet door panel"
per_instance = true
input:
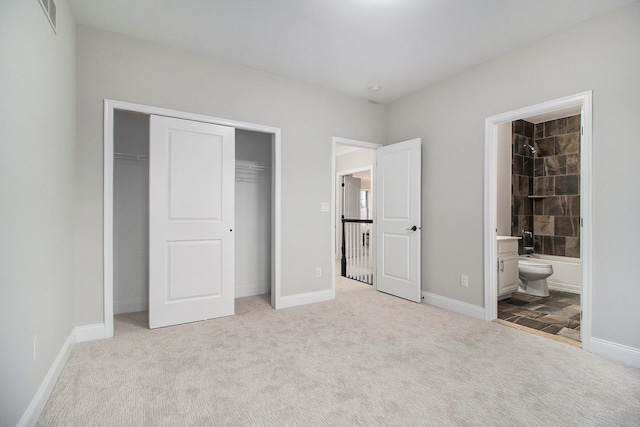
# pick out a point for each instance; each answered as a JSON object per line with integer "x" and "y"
{"x": 191, "y": 220}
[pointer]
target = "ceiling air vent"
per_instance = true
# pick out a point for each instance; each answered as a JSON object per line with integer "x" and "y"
{"x": 49, "y": 7}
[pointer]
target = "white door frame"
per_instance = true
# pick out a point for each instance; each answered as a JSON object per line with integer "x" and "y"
{"x": 353, "y": 143}
{"x": 584, "y": 102}
{"x": 109, "y": 107}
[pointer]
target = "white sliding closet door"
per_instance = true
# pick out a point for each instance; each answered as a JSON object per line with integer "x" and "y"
{"x": 191, "y": 220}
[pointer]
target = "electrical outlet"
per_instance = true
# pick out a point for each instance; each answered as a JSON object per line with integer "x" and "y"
{"x": 35, "y": 348}
{"x": 318, "y": 272}
{"x": 464, "y": 280}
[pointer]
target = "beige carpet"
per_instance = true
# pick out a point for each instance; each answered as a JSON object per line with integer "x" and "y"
{"x": 364, "y": 359}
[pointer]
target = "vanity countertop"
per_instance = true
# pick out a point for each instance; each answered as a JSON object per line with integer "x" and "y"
{"x": 509, "y": 238}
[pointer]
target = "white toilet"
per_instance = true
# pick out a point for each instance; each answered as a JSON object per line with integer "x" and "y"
{"x": 533, "y": 273}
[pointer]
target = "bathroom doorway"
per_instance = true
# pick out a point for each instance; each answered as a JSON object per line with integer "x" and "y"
{"x": 538, "y": 187}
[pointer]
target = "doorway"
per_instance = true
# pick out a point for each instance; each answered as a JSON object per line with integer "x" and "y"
{"x": 357, "y": 158}
{"x": 578, "y": 104}
{"x": 396, "y": 224}
{"x": 354, "y": 215}
{"x": 249, "y": 172}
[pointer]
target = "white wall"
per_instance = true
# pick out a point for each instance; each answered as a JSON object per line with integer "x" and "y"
{"x": 37, "y": 157}
{"x": 504, "y": 152}
{"x": 130, "y": 214}
{"x": 355, "y": 160}
{"x": 128, "y": 69}
{"x": 252, "y": 228}
{"x": 602, "y": 55}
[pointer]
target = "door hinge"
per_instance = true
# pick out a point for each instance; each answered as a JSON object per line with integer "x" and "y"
{"x": 581, "y": 130}
{"x": 343, "y": 184}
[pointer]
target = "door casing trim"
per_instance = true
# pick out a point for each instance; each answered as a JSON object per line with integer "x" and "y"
{"x": 584, "y": 102}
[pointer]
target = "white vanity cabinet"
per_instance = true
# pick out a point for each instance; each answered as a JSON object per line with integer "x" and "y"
{"x": 507, "y": 265}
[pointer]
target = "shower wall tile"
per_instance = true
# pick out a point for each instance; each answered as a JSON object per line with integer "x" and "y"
{"x": 529, "y": 129}
{"x": 518, "y": 203}
{"x": 568, "y": 184}
{"x": 537, "y": 244}
{"x": 553, "y": 165}
{"x": 573, "y": 163}
{"x": 547, "y": 245}
{"x": 567, "y": 226}
{"x": 573, "y": 205}
{"x": 538, "y": 167}
{"x": 515, "y": 185}
{"x": 524, "y": 128}
{"x": 554, "y": 206}
{"x": 522, "y": 145}
{"x": 524, "y": 185}
{"x": 544, "y": 186}
{"x": 558, "y": 246}
{"x": 544, "y": 225}
{"x": 538, "y": 206}
{"x": 573, "y": 124}
{"x": 572, "y": 247}
{"x": 517, "y": 167}
{"x": 555, "y": 127}
{"x": 561, "y": 206}
{"x": 517, "y": 127}
{"x": 546, "y": 147}
{"x": 522, "y": 206}
{"x": 553, "y": 174}
{"x": 568, "y": 144}
{"x": 521, "y": 222}
{"x": 528, "y": 166}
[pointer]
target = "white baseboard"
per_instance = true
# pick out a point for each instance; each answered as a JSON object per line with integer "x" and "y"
{"x": 618, "y": 352}
{"x": 130, "y": 306}
{"x": 252, "y": 290}
{"x": 32, "y": 414}
{"x": 454, "y": 305}
{"x": 91, "y": 332}
{"x": 308, "y": 298}
{"x": 565, "y": 287}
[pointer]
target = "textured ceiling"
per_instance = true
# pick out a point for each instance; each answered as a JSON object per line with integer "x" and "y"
{"x": 346, "y": 45}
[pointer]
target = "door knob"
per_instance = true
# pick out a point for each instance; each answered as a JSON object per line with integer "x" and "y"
{"x": 414, "y": 228}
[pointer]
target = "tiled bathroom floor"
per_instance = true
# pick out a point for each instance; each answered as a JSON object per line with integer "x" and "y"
{"x": 558, "y": 314}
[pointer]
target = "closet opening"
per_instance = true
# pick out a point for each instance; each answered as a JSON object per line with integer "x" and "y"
{"x": 253, "y": 214}
{"x": 256, "y": 214}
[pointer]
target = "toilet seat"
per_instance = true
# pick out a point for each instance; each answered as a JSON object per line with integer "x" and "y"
{"x": 534, "y": 266}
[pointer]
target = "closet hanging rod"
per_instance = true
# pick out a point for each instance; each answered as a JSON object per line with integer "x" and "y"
{"x": 251, "y": 167}
{"x": 127, "y": 156}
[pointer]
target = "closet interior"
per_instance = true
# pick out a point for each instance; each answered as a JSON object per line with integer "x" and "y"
{"x": 253, "y": 212}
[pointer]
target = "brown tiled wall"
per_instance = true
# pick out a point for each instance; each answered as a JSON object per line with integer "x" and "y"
{"x": 552, "y": 176}
{"x": 522, "y": 178}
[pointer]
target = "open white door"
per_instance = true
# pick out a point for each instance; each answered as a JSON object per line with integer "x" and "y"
{"x": 398, "y": 198}
{"x": 351, "y": 197}
{"x": 191, "y": 213}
